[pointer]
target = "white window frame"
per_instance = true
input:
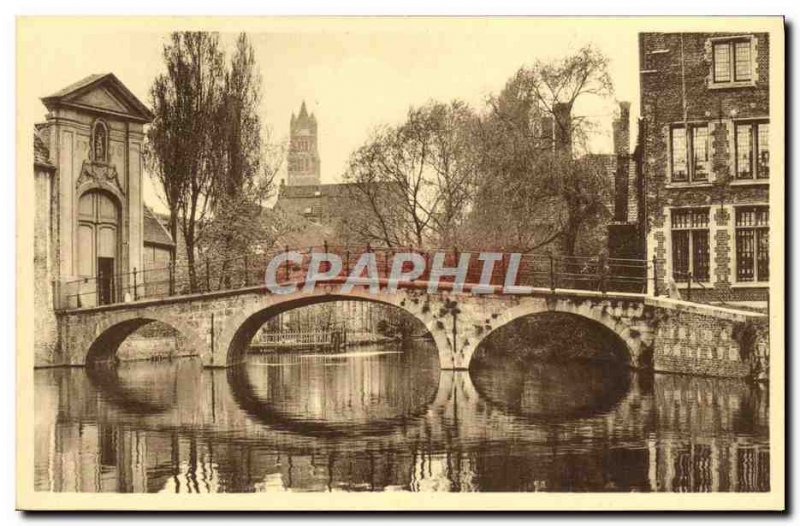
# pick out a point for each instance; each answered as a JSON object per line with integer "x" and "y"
{"x": 691, "y": 177}
{"x": 731, "y": 41}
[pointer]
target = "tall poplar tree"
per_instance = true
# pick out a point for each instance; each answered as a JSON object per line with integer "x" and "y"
{"x": 180, "y": 156}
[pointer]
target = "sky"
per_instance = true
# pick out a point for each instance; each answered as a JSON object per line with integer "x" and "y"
{"x": 353, "y": 75}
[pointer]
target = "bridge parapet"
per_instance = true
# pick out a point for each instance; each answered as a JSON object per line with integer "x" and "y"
{"x": 708, "y": 340}
{"x": 658, "y": 333}
{"x": 490, "y": 270}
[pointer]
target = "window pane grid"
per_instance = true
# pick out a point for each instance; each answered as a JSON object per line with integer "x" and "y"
{"x": 763, "y": 150}
{"x": 742, "y": 60}
{"x": 690, "y": 244}
{"x": 696, "y": 149}
{"x": 680, "y": 254}
{"x": 762, "y": 254}
{"x": 744, "y": 151}
{"x": 745, "y": 249}
{"x": 679, "y": 172}
{"x": 700, "y": 152}
{"x": 689, "y": 218}
{"x": 700, "y": 254}
{"x": 752, "y": 243}
{"x": 722, "y": 62}
{"x": 732, "y": 61}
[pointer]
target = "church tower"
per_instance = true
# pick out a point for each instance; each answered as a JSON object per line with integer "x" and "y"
{"x": 303, "y": 162}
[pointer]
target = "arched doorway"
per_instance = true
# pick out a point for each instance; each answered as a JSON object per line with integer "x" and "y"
{"x": 98, "y": 242}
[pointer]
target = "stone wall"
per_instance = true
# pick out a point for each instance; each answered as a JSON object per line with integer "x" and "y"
{"x": 665, "y": 334}
{"x": 702, "y": 343}
{"x": 45, "y": 269}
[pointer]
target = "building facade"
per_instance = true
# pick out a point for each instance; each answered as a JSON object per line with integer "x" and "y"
{"x": 703, "y": 164}
{"x": 89, "y": 232}
{"x": 303, "y": 166}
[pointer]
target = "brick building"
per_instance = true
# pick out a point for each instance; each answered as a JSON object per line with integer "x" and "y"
{"x": 701, "y": 167}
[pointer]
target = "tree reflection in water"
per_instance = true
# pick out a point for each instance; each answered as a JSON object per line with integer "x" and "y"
{"x": 335, "y": 395}
{"x": 389, "y": 421}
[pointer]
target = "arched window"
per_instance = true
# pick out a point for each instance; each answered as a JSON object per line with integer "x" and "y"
{"x": 98, "y": 234}
{"x": 100, "y": 142}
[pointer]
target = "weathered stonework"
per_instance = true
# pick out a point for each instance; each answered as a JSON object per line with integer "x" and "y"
{"x": 90, "y": 146}
{"x": 696, "y": 342}
{"x": 219, "y": 326}
{"x": 44, "y": 256}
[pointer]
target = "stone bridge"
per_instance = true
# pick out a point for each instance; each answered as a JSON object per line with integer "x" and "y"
{"x": 657, "y": 333}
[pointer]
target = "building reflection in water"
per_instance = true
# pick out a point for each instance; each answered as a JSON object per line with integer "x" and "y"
{"x": 383, "y": 421}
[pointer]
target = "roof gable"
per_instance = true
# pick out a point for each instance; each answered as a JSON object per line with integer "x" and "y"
{"x": 154, "y": 231}
{"x": 103, "y": 93}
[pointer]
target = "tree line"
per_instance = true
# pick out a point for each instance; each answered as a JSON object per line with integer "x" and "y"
{"x": 512, "y": 175}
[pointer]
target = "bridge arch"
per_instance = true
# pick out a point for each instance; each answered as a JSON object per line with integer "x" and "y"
{"x": 241, "y": 327}
{"x": 599, "y": 314}
{"x": 111, "y": 334}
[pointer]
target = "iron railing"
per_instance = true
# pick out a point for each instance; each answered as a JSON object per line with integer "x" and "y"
{"x": 209, "y": 274}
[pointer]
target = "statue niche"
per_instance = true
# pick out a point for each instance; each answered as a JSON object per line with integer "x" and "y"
{"x": 97, "y": 169}
{"x": 100, "y": 142}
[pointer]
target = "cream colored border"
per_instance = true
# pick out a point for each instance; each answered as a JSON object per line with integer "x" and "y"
{"x": 28, "y": 28}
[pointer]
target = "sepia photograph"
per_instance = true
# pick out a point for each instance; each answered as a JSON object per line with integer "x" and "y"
{"x": 378, "y": 263}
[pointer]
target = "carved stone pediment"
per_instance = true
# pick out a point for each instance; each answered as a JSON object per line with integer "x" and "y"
{"x": 101, "y": 173}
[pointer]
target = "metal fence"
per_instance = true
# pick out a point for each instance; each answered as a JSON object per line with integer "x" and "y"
{"x": 209, "y": 274}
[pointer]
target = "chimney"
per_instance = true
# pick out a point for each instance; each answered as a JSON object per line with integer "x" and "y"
{"x": 622, "y": 143}
{"x": 563, "y": 127}
{"x": 621, "y": 130}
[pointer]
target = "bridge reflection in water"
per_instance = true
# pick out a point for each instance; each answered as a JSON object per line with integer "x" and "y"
{"x": 387, "y": 420}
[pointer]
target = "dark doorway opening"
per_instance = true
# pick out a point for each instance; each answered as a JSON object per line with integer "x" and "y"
{"x": 105, "y": 281}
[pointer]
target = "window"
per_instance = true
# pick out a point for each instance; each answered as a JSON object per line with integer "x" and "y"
{"x": 752, "y": 150}
{"x": 733, "y": 61}
{"x": 722, "y": 62}
{"x": 679, "y": 167}
{"x": 741, "y": 55}
{"x": 690, "y": 252}
{"x": 752, "y": 243}
{"x": 696, "y": 149}
{"x": 302, "y": 144}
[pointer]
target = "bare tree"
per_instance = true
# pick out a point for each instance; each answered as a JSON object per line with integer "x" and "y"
{"x": 412, "y": 182}
{"x": 555, "y": 87}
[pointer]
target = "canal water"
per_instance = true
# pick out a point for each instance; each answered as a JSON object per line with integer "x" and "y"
{"x": 383, "y": 418}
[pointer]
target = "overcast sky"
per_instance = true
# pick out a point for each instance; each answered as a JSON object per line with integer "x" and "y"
{"x": 353, "y": 76}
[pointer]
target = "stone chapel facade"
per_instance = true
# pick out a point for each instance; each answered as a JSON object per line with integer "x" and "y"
{"x": 89, "y": 224}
